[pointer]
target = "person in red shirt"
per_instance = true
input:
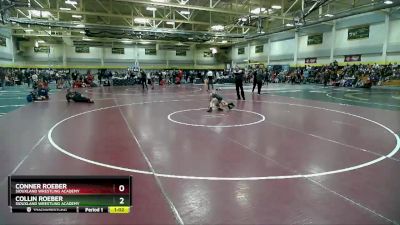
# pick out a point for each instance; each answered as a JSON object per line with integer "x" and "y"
{"x": 180, "y": 74}
{"x": 89, "y": 77}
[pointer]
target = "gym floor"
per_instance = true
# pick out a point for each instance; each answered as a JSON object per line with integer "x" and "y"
{"x": 293, "y": 155}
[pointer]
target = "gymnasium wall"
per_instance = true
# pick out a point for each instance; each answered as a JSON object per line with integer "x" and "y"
{"x": 62, "y": 55}
{"x": 6, "y": 52}
{"x": 283, "y": 45}
{"x": 280, "y": 50}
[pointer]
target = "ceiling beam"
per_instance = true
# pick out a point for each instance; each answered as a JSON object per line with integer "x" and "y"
{"x": 105, "y": 8}
{"x": 196, "y": 7}
{"x": 103, "y": 26}
{"x": 114, "y": 15}
{"x": 122, "y": 16}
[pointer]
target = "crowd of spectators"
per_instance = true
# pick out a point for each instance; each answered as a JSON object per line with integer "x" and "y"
{"x": 167, "y": 76}
{"x": 332, "y": 74}
{"x": 33, "y": 76}
{"x": 362, "y": 75}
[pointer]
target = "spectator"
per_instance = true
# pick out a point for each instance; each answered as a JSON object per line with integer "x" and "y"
{"x": 210, "y": 77}
{"x": 2, "y": 78}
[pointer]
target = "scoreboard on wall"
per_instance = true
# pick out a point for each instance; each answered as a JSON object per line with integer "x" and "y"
{"x": 70, "y": 194}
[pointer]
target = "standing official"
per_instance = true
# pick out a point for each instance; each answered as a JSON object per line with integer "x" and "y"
{"x": 143, "y": 79}
{"x": 258, "y": 79}
{"x": 239, "y": 76}
{"x": 254, "y": 75}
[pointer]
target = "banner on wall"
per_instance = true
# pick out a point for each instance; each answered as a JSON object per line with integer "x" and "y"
{"x": 315, "y": 39}
{"x": 352, "y": 58}
{"x": 358, "y": 32}
{"x": 259, "y": 48}
{"x": 150, "y": 51}
{"x": 42, "y": 49}
{"x": 310, "y": 60}
{"x": 119, "y": 51}
{"x": 82, "y": 49}
{"x": 240, "y": 51}
{"x": 180, "y": 52}
{"x": 3, "y": 41}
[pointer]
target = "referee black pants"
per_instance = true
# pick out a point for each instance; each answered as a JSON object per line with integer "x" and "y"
{"x": 144, "y": 84}
{"x": 254, "y": 84}
{"x": 259, "y": 85}
{"x": 239, "y": 84}
{"x": 210, "y": 82}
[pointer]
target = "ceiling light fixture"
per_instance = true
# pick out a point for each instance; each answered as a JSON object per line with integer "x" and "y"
{"x": 328, "y": 15}
{"x": 217, "y": 27}
{"x": 151, "y": 8}
{"x": 276, "y": 7}
{"x": 170, "y": 22}
{"x": 184, "y": 12}
{"x": 41, "y": 41}
{"x": 65, "y": 9}
{"x": 388, "y": 2}
{"x": 28, "y": 30}
{"x": 257, "y": 10}
{"x": 213, "y": 50}
{"x": 37, "y": 13}
{"x": 77, "y": 16}
{"x": 82, "y": 32}
{"x": 80, "y": 25}
{"x": 87, "y": 39}
{"x": 289, "y": 25}
{"x": 69, "y": 2}
{"x": 141, "y": 20}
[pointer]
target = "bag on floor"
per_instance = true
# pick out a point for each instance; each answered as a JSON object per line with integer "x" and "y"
{"x": 29, "y": 98}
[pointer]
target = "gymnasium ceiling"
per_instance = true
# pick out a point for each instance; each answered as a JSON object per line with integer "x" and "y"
{"x": 220, "y": 22}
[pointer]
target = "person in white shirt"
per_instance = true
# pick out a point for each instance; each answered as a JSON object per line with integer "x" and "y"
{"x": 35, "y": 77}
{"x": 35, "y": 80}
{"x": 210, "y": 77}
{"x": 149, "y": 80}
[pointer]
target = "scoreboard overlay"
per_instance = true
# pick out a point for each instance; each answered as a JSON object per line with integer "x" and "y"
{"x": 70, "y": 194}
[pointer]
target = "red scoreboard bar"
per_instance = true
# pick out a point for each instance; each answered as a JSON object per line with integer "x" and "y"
{"x": 70, "y": 194}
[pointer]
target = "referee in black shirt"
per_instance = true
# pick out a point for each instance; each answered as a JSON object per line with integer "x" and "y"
{"x": 239, "y": 76}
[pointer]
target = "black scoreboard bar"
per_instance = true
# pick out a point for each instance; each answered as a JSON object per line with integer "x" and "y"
{"x": 70, "y": 194}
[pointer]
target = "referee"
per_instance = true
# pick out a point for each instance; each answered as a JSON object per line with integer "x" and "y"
{"x": 257, "y": 79}
{"x": 239, "y": 75}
